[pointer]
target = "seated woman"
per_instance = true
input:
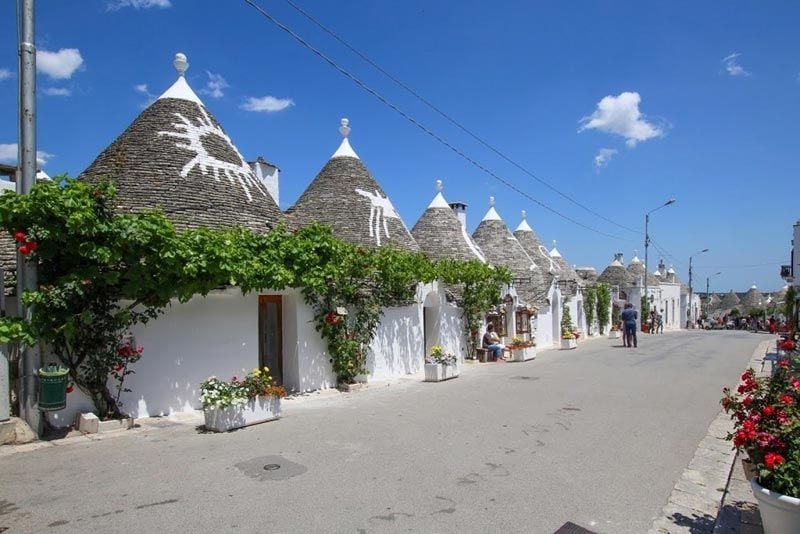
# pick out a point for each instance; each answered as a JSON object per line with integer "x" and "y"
{"x": 492, "y": 342}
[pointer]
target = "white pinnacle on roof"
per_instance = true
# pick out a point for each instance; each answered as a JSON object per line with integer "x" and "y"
{"x": 345, "y": 150}
{"x": 524, "y": 226}
{"x": 439, "y": 201}
{"x": 670, "y": 270}
{"x": 753, "y": 286}
{"x": 492, "y": 214}
{"x": 555, "y": 253}
{"x": 180, "y": 89}
{"x": 636, "y": 257}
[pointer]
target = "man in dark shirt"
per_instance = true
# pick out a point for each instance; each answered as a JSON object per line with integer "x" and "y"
{"x": 629, "y": 317}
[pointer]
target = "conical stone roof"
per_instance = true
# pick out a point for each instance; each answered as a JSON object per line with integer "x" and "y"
{"x": 616, "y": 274}
{"x": 175, "y": 156}
{"x": 440, "y": 235}
{"x": 346, "y": 197}
{"x": 731, "y": 300}
{"x": 501, "y": 248}
{"x": 565, "y": 272}
{"x": 587, "y": 274}
{"x": 753, "y": 298}
{"x": 536, "y": 250}
{"x": 637, "y": 269}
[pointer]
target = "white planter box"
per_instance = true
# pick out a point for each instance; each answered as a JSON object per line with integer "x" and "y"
{"x": 523, "y": 355}
{"x": 614, "y": 334}
{"x": 257, "y": 410}
{"x": 436, "y": 372}
{"x": 779, "y": 513}
{"x": 569, "y": 343}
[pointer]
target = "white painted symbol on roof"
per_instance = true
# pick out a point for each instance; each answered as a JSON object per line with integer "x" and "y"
{"x": 554, "y": 268}
{"x": 192, "y": 135}
{"x": 380, "y": 209}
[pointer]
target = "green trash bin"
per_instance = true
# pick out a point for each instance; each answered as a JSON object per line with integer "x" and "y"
{"x": 53, "y": 382}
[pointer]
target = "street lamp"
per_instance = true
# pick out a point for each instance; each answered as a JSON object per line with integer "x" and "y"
{"x": 690, "y": 316}
{"x": 708, "y": 295}
{"x": 647, "y": 239}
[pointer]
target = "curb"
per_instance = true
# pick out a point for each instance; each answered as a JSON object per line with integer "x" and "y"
{"x": 697, "y": 497}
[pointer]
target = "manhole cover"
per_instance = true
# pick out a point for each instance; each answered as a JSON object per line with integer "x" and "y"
{"x": 523, "y": 377}
{"x": 270, "y": 468}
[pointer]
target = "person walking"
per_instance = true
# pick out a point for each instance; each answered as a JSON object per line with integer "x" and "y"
{"x": 629, "y": 317}
{"x": 660, "y": 322}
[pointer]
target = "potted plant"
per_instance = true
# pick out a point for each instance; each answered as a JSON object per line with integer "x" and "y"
{"x": 238, "y": 403}
{"x": 440, "y": 365}
{"x": 522, "y": 350}
{"x": 615, "y": 332}
{"x": 767, "y": 427}
{"x": 568, "y": 340}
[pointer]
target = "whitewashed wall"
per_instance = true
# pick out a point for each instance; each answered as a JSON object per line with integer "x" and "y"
{"x": 398, "y": 347}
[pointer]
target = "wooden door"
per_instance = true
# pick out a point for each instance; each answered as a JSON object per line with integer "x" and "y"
{"x": 270, "y": 335}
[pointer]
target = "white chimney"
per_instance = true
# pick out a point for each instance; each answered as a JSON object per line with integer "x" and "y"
{"x": 460, "y": 210}
{"x": 269, "y": 176}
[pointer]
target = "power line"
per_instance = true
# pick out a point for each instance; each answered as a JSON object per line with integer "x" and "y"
{"x": 415, "y": 122}
{"x": 450, "y": 119}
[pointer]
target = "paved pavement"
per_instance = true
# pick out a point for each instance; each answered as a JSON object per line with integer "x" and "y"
{"x": 597, "y": 436}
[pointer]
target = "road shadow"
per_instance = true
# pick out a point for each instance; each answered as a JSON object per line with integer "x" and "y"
{"x": 696, "y": 523}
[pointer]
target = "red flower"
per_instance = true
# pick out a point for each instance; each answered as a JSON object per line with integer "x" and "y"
{"x": 24, "y": 249}
{"x": 32, "y": 245}
{"x": 139, "y": 349}
{"x": 773, "y": 460}
{"x": 768, "y": 411}
{"x": 787, "y": 399}
{"x": 783, "y": 363}
{"x": 119, "y": 367}
{"x": 20, "y": 236}
{"x": 70, "y": 388}
{"x": 783, "y": 418}
{"x": 748, "y": 374}
{"x": 796, "y": 384}
{"x": 746, "y": 401}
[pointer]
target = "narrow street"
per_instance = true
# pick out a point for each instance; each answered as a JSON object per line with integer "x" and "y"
{"x": 597, "y": 436}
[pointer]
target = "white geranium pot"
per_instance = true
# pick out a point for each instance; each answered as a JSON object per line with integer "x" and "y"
{"x": 523, "y": 355}
{"x": 779, "y": 513}
{"x": 614, "y": 334}
{"x": 257, "y": 410}
{"x": 569, "y": 343}
{"x": 436, "y": 372}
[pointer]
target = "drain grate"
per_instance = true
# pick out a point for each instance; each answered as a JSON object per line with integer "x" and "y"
{"x": 571, "y": 528}
{"x": 272, "y": 467}
{"x": 275, "y": 467}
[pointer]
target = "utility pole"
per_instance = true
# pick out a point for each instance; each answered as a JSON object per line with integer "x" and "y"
{"x": 690, "y": 319}
{"x": 26, "y": 177}
{"x": 646, "y": 246}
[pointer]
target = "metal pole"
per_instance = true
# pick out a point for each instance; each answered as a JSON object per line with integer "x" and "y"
{"x": 689, "y": 318}
{"x": 26, "y": 272}
{"x": 708, "y": 297}
{"x": 646, "y": 267}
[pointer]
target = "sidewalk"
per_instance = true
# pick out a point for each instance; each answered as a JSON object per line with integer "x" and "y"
{"x": 712, "y": 495}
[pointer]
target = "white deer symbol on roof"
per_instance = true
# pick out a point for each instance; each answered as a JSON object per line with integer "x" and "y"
{"x": 380, "y": 209}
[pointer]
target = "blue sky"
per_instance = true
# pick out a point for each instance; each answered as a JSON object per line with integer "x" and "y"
{"x": 694, "y": 100}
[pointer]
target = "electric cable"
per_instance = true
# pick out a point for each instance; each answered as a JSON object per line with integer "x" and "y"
{"x": 449, "y": 118}
{"x": 416, "y": 123}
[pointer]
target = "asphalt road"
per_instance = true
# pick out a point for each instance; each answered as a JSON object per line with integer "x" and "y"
{"x": 597, "y": 436}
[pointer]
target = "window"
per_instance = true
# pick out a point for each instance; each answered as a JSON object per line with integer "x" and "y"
{"x": 523, "y": 322}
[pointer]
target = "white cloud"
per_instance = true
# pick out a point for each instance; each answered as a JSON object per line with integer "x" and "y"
{"x": 56, "y": 91}
{"x": 620, "y": 115}
{"x": 143, "y": 89}
{"x": 216, "y": 83}
{"x": 59, "y": 65}
{"x": 267, "y": 104}
{"x": 732, "y": 66}
{"x": 603, "y": 157}
{"x": 5, "y": 74}
{"x": 114, "y": 5}
{"x": 8, "y": 154}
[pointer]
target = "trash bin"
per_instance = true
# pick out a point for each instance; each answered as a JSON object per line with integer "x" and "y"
{"x": 53, "y": 382}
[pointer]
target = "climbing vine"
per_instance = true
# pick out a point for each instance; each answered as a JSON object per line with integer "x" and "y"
{"x": 589, "y": 306}
{"x": 603, "y": 298}
{"x": 101, "y": 272}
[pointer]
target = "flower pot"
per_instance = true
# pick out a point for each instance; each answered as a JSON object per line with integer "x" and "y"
{"x": 749, "y": 469}
{"x": 436, "y": 372}
{"x": 779, "y": 513}
{"x": 523, "y": 354}
{"x": 614, "y": 334}
{"x": 569, "y": 344}
{"x": 257, "y": 410}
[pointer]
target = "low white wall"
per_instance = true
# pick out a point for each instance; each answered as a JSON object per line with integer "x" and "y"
{"x": 544, "y": 328}
{"x": 308, "y": 350}
{"x": 398, "y": 347}
{"x": 451, "y": 332}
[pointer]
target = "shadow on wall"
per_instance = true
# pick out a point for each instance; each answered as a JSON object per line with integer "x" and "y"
{"x": 398, "y": 347}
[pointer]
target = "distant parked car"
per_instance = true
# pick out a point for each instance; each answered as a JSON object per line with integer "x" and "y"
{"x": 730, "y": 325}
